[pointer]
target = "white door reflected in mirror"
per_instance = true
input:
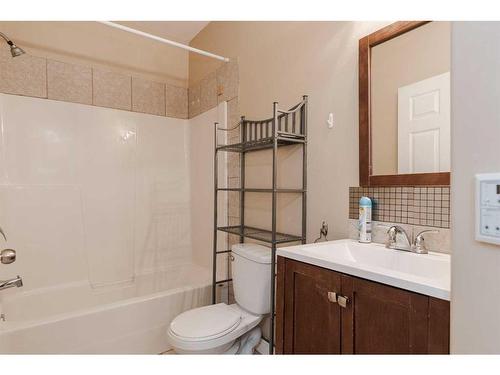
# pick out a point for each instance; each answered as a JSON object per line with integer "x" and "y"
{"x": 424, "y": 126}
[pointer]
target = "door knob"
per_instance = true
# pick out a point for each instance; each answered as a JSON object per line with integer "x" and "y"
{"x": 8, "y": 256}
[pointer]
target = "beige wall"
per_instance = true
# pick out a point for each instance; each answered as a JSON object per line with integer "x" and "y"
{"x": 281, "y": 61}
{"x": 475, "y": 293}
{"x": 411, "y": 57}
{"x": 91, "y": 43}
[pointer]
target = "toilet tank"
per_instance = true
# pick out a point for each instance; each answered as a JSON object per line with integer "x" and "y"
{"x": 251, "y": 272}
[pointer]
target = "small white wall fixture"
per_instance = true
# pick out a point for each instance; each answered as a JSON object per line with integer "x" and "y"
{"x": 488, "y": 208}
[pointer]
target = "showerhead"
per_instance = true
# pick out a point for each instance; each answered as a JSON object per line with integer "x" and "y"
{"x": 14, "y": 50}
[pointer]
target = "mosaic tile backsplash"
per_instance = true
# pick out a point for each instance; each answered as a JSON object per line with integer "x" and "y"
{"x": 429, "y": 206}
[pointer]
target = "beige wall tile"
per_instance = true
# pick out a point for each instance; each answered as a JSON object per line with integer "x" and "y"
{"x": 234, "y": 220}
{"x": 233, "y": 116}
{"x": 110, "y": 89}
{"x": 437, "y": 242}
{"x": 233, "y": 165}
{"x": 230, "y": 295}
{"x": 69, "y": 82}
{"x": 227, "y": 81}
{"x": 148, "y": 97}
{"x": 234, "y": 204}
{"x": 194, "y": 101}
{"x": 177, "y": 102}
{"x": 23, "y": 75}
{"x": 208, "y": 92}
{"x": 233, "y": 239}
{"x": 233, "y": 182}
{"x": 233, "y": 168}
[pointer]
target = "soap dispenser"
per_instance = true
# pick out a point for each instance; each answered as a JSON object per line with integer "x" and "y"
{"x": 365, "y": 220}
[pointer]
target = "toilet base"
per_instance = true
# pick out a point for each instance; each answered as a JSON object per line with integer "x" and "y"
{"x": 249, "y": 341}
{"x": 245, "y": 344}
{"x": 229, "y": 348}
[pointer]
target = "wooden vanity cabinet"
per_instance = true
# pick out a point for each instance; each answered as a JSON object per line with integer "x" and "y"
{"x": 376, "y": 319}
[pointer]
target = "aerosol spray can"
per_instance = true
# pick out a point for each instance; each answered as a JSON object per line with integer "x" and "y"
{"x": 365, "y": 220}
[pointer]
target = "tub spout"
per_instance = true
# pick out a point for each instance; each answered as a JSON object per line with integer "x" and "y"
{"x": 17, "y": 282}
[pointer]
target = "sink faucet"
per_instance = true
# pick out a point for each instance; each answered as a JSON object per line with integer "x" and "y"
{"x": 6, "y": 284}
{"x": 416, "y": 246}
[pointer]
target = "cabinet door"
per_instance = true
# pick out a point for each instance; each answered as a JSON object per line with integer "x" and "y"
{"x": 311, "y": 322}
{"x": 380, "y": 319}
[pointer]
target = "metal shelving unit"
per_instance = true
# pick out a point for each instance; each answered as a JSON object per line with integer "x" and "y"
{"x": 285, "y": 128}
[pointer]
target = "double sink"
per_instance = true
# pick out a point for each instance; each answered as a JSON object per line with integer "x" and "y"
{"x": 427, "y": 274}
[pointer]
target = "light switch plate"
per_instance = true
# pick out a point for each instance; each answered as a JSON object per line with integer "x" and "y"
{"x": 488, "y": 208}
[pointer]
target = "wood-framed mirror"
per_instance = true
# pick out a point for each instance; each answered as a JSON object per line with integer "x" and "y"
{"x": 404, "y": 105}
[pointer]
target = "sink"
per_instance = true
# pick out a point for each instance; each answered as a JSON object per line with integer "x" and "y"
{"x": 427, "y": 274}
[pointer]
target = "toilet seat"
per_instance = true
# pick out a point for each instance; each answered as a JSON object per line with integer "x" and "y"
{"x": 189, "y": 332}
{"x": 205, "y": 323}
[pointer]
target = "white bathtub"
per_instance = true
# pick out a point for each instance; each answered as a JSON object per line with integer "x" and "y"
{"x": 122, "y": 319}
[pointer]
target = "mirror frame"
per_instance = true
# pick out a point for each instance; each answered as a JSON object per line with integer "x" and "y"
{"x": 365, "y": 146}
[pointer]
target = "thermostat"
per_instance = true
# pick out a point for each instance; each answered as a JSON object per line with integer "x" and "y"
{"x": 488, "y": 207}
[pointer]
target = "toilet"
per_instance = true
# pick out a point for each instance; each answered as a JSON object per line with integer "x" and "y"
{"x": 229, "y": 329}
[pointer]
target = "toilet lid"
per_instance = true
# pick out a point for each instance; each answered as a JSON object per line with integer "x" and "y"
{"x": 206, "y": 322}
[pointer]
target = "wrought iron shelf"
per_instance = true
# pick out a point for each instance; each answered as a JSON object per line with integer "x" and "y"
{"x": 256, "y": 190}
{"x": 263, "y": 235}
{"x": 283, "y": 139}
{"x": 284, "y": 128}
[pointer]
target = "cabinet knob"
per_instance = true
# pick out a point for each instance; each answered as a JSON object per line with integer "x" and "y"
{"x": 343, "y": 301}
{"x": 332, "y": 297}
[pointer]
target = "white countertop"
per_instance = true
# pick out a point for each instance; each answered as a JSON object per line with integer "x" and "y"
{"x": 427, "y": 274}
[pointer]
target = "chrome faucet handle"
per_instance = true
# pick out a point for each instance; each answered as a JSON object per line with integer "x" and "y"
{"x": 419, "y": 245}
{"x": 392, "y": 233}
{"x": 427, "y": 231}
{"x": 3, "y": 234}
{"x": 7, "y": 256}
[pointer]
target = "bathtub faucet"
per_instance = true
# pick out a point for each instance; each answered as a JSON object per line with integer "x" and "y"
{"x": 6, "y": 284}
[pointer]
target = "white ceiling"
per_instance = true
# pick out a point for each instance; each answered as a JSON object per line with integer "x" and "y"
{"x": 179, "y": 31}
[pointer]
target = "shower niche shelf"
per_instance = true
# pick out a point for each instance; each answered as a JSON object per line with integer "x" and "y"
{"x": 285, "y": 128}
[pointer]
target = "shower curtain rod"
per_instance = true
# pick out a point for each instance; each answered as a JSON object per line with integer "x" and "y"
{"x": 163, "y": 40}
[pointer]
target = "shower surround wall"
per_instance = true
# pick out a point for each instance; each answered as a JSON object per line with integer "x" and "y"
{"x": 40, "y": 77}
{"x": 105, "y": 193}
{"x": 92, "y": 193}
